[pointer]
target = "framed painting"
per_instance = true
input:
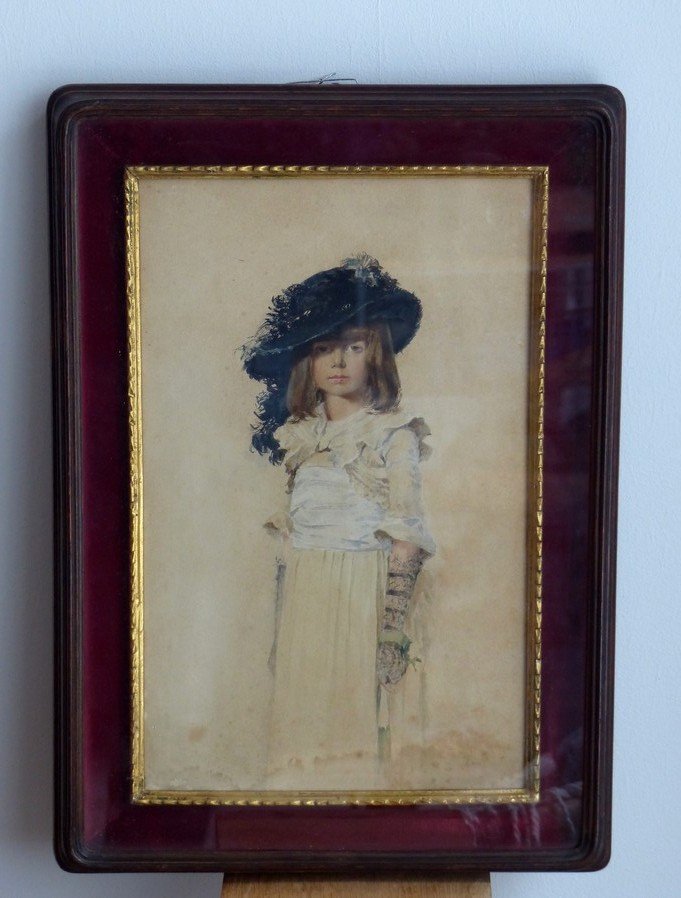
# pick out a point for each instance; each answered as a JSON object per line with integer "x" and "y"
{"x": 336, "y": 392}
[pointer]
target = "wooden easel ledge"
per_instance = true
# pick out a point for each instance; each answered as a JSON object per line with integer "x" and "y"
{"x": 460, "y": 887}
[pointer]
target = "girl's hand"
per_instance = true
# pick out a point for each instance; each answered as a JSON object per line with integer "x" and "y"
{"x": 392, "y": 657}
{"x": 391, "y": 664}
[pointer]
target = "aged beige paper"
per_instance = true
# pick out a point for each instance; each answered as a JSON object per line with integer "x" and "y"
{"x": 213, "y": 251}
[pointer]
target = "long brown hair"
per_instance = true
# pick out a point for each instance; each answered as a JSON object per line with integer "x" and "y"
{"x": 383, "y": 381}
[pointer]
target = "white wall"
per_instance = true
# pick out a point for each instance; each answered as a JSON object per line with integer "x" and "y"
{"x": 625, "y": 43}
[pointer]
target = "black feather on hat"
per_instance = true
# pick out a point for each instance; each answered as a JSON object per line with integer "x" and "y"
{"x": 356, "y": 293}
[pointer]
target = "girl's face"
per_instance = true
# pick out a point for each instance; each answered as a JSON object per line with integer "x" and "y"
{"x": 339, "y": 365}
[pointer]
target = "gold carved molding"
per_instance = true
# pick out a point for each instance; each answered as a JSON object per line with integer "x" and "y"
{"x": 539, "y": 176}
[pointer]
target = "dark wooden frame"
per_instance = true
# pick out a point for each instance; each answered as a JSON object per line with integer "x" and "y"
{"x": 74, "y": 118}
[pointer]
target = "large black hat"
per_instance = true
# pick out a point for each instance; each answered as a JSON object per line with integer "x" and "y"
{"x": 357, "y": 292}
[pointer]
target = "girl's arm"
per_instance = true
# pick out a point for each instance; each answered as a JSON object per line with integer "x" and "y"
{"x": 393, "y": 643}
{"x": 403, "y": 569}
{"x": 405, "y": 524}
{"x": 404, "y": 521}
{"x": 411, "y": 543}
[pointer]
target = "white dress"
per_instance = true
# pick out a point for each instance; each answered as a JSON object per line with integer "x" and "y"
{"x": 354, "y": 487}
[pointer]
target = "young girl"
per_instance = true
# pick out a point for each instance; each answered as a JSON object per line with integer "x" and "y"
{"x": 353, "y": 529}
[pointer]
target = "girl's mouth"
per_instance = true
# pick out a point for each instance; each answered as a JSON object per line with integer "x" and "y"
{"x": 338, "y": 378}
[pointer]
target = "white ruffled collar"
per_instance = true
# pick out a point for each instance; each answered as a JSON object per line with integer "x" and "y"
{"x": 344, "y": 438}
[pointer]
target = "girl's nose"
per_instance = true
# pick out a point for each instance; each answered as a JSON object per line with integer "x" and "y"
{"x": 339, "y": 357}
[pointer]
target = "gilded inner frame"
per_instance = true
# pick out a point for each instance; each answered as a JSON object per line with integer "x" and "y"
{"x": 145, "y": 792}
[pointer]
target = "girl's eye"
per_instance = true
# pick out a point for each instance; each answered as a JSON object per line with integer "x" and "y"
{"x": 357, "y": 347}
{"x": 321, "y": 349}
